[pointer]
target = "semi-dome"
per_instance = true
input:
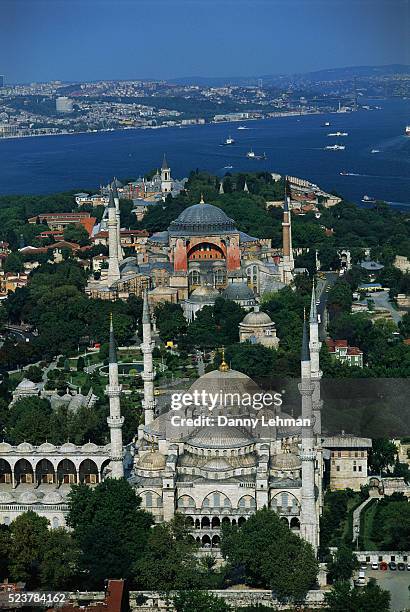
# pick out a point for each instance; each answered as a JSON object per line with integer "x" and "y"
{"x": 26, "y": 384}
{"x": 220, "y": 437}
{"x": 152, "y": 461}
{"x": 202, "y": 219}
{"x": 286, "y": 461}
{"x": 204, "y": 294}
{"x": 238, "y": 291}
{"x": 216, "y": 464}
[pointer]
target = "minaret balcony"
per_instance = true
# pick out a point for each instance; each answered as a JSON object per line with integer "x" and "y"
{"x": 306, "y": 387}
{"x": 113, "y": 390}
{"x": 115, "y": 422}
{"x": 307, "y": 455}
{"x": 147, "y": 376}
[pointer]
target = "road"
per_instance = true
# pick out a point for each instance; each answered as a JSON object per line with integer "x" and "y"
{"x": 381, "y": 300}
{"x": 323, "y": 286}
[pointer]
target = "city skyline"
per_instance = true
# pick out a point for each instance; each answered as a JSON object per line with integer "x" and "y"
{"x": 145, "y": 40}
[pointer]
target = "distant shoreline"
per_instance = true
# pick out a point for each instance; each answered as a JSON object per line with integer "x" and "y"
{"x": 278, "y": 115}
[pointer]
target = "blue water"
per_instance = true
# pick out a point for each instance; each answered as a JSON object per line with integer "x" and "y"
{"x": 293, "y": 145}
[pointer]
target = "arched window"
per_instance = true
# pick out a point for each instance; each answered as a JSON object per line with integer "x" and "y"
{"x": 56, "y": 522}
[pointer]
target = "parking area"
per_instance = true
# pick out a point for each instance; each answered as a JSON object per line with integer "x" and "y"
{"x": 395, "y": 581}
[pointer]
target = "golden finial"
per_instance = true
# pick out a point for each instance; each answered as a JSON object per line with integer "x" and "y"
{"x": 201, "y": 201}
{"x": 111, "y": 316}
{"x": 224, "y": 366}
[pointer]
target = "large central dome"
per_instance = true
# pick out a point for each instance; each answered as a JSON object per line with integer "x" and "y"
{"x": 202, "y": 219}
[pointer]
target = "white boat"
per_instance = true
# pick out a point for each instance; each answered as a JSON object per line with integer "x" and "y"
{"x": 368, "y": 199}
{"x": 229, "y": 141}
{"x": 407, "y": 130}
{"x": 242, "y": 127}
{"x": 326, "y": 124}
{"x": 228, "y": 167}
{"x": 338, "y": 134}
{"x": 335, "y": 147}
{"x": 375, "y": 151}
{"x": 250, "y": 154}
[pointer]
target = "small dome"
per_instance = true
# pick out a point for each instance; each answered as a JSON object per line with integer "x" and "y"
{"x": 152, "y": 461}
{"x": 220, "y": 437}
{"x": 68, "y": 447}
{"x": 286, "y": 461}
{"x": 28, "y": 497}
{"x": 26, "y": 384}
{"x": 217, "y": 463}
{"x": 25, "y": 447}
{"x": 238, "y": 291}
{"x": 46, "y": 447}
{"x": 204, "y": 294}
{"x": 90, "y": 447}
{"x": 5, "y": 447}
{"x": 257, "y": 318}
{"x": 6, "y": 497}
{"x": 54, "y": 497}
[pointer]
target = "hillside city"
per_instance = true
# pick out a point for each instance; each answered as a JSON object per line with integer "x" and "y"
{"x": 60, "y": 108}
{"x": 284, "y": 308}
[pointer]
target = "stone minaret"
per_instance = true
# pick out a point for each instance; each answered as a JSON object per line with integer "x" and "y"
{"x": 113, "y": 265}
{"x": 115, "y": 420}
{"x": 308, "y": 517}
{"x": 287, "y": 263}
{"x": 221, "y": 188}
{"x": 245, "y": 187}
{"x": 166, "y": 180}
{"x": 316, "y": 373}
{"x": 118, "y": 215}
{"x": 148, "y": 374}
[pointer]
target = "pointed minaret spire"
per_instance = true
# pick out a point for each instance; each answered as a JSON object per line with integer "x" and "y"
{"x": 305, "y": 354}
{"x": 165, "y": 165}
{"x": 113, "y": 264}
{"x": 148, "y": 373}
{"x": 221, "y": 188}
{"x": 245, "y": 187}
{"x": 115, "y": 420}
{"x": 202, "y": 201}
{"x": 313, "y": 307}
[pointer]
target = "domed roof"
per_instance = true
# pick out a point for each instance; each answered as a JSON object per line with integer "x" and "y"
{"x": 220, "y": 437}
{"x": 202, "y": 219}
{"x": 6, "y": 497}
{"x": 25, "y": 447}
{"x": 152, "y": 461}
{"x": 89, "y": 447}
{"x": 5, "y": 447}
{"x": 286, "y": 461}
{"x": 68, "y": 447}
{"x": 53, "y": 497}
{"x": 26, "y": 384}
{"x": 256, "y": 318}
{"x": 46, "y": 447}
{"x": 217, "y": 463}
{"x": 204, "y": 294}
{"x": 229, "y": 381}
{"x": 238, "y": 291}
{"x": 28, "y": 497}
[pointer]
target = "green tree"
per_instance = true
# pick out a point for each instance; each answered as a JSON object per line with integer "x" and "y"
{"x": 29, "y": 420}
{"x": 14, "y": 263}
{"x": 169, "y": 562}
{"x": 254, "y": 360}
{"x": 170, "y": 320}
{"x": 35, "y": 374}
{"x": 5, "y": 548}
{"x": 265, "y": 553}
{"x": 29, "y": 533}
{"x": 76, "y": 233}
{"x": 343, "y": 564}
{"x": 80, "y": 364}
{"x": 344, "y": 598}
{"x": 383, "y": 455}
{"x": 59, "y": 561}
{"x": 110, "y": 529}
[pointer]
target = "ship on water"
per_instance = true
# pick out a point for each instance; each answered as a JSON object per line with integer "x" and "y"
{"x": 252, "y": 155}
{"x": 407, "y": 130}
{"x": 228, "y": 141}
{"x": 338, "y": 134}
{"x": 335, "y": 147}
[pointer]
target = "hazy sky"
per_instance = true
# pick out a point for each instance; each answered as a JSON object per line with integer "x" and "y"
{"x": 125, "y": 39}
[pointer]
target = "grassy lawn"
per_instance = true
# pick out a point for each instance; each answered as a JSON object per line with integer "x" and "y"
{"x": 16, "y": 377}
{"x": 366, "y": 525}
